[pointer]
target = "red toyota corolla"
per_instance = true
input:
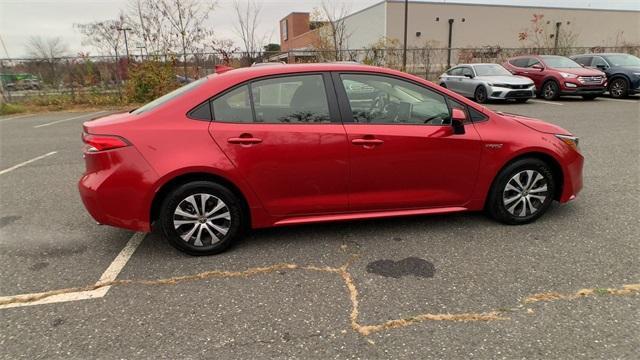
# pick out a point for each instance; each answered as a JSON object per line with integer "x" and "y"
{"x": 290, "y": 144}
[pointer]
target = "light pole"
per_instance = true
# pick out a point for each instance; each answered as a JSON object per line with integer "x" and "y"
{"x": 449, "y": 46}
{"x": 126, "y": 44}
{"x": 404, "y": 44}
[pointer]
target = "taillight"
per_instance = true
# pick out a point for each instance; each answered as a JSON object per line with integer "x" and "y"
{"x": 97, "y": 143}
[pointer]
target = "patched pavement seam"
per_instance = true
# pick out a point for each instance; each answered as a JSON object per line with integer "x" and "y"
{"x": 352, "y": 290}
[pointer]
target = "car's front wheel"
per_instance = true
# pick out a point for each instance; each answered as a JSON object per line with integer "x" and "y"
{"x": 550, "y": 90}
{"x": 521, "y": 192}
{"x": 480, "y": 96}
{"x": 619, "y": 88}
{"x": 201, "y": 218}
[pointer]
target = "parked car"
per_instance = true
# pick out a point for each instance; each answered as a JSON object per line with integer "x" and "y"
{"x": 25, "y": 84}
{"x": 622, "y": 70}
{"x": 483, "y": 82}
{"x": 557, "y": 76}
{"x": 279, "y": 145}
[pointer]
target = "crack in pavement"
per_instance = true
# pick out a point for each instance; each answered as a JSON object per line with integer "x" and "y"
{"x": 346, "y": 277}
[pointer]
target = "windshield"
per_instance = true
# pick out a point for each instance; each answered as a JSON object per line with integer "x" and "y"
{"x": 559, "y": 62}
{"x": 623, "y": 60}
{"x": 163, "y": 99}
{"x": 491, "y": 70}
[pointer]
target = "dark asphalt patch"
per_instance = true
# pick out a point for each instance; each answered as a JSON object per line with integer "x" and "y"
{"x": 405, "y": 267}
{"x": 6, "y": 220}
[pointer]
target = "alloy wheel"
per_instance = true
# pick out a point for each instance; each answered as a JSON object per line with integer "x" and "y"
{"x": 549, "y": 91}
{"x": 617, "y": 88}
{"x": 202, "y": 219}
{"x": 525, "y": 193}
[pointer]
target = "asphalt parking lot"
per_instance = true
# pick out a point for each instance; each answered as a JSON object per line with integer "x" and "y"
{"x": 455, "y": 286}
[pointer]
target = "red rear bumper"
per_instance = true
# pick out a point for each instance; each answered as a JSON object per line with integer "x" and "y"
{"x": 115, "y": 186}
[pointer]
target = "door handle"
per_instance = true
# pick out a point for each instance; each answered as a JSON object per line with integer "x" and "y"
{"x": 244, "y": 139}
{"x": 366, "y": 142}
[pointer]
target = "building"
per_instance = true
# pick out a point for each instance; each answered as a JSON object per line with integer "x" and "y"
{"x": 474, "y": 25}
{"x": 298, "y": 35}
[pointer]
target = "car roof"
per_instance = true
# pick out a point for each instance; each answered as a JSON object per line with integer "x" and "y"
{"x": 599, "y": 54}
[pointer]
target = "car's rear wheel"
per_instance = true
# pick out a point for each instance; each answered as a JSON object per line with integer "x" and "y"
{"x": 201, "y": 218}
{"x": 480, "y": 96}
{"x": 619, "y": 88}
{"x": 522, "y": 192}
{"x": 550, "y": 90}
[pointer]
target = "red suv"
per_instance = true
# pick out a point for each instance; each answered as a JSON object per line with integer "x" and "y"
{"x": 556, "y": 76}
{"x": 290, "y": 144}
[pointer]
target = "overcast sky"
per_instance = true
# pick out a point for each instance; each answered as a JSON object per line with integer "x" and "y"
{"x": 20, "y": 19}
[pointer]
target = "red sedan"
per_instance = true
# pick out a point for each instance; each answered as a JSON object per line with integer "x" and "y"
{"x": 290, "y": 144}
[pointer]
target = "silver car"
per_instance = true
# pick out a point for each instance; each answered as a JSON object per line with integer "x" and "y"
{"x": 483, "y": 82}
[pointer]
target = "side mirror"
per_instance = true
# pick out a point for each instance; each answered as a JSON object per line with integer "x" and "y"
{"x": 469, "y": 76}
{"x": 601, "y": 67}
{"x": 458, "y": 118}
{"x": 538, "y": 66}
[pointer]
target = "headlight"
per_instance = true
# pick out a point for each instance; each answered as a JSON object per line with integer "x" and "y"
{"x": 636, "y": 74}
{"x": 568, "y": 76}
{"x": 572, "y": 141}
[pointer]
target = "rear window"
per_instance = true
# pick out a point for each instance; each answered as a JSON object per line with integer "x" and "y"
{"x": 170, "y": 96}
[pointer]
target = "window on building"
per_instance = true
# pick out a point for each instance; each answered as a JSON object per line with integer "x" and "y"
{"x": 284, "y": 29}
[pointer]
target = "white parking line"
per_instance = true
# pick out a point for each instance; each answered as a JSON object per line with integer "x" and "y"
{"x": 26, "y": 162}
{"x": 620, "y": 100}
{"x": 69, "y": 119}
{"x": 110, "y": 274}
{"x": 546, "y": 102}
{"x": 16, "y": 117}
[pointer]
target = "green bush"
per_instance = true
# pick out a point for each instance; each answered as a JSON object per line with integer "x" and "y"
{"x": 149, "y": 80}
{"x": 8, "y": 109}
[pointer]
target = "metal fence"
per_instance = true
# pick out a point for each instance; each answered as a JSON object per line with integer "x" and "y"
{"x": 31, "y": 78}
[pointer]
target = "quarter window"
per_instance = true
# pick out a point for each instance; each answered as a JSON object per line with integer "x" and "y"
{"x": 385, "y": 100}
{"x": 291, "y": 99}
{"x": 233, "y": 106}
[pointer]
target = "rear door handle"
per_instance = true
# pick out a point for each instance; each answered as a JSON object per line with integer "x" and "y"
{"x": 365, "y": 142}
{"x": 244, "y": 140}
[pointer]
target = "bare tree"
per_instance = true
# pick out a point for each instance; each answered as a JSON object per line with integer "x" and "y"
{"x": 248, "y": 15}
{"x": 103, "y": 35}
{"x": 149, "y": 27}
{"x": 187, "y": 20}
{"x": 333, "y": 12}
{"x": 49, "y": 51}
{"x": 224, "y": 48}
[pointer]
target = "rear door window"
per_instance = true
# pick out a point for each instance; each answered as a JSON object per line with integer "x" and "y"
{"x": 519, "y": 62}
{"x": 291, "y": 99}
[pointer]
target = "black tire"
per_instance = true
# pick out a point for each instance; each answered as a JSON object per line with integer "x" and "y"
{"x": 480, "y": 95}
{"x": 589, "y": 97}
{"x": 499, "y": 204}
{"x": 550, "y": 90}
{"x": 208, "y": 245}
{"x": 619, "y": 88}
{"x": 522, "y": 101}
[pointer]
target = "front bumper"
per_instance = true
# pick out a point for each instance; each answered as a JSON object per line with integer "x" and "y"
{"x": 572, "y": 177}
{"x": 503, "y": 93}
{"x": 575, "y": 87}
{"x": 114, "y": 188}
